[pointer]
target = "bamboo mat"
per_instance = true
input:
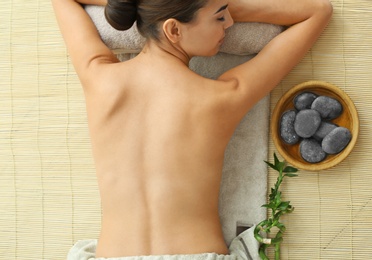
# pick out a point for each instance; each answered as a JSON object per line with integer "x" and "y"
{"x": 48, "y": 191}
{"x": 333, "y": 208}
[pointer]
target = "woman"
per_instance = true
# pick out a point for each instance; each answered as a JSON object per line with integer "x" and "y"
{"x": 158, "y": 130}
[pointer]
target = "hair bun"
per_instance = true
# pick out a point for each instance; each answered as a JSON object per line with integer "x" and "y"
{"x": 121, "y": 14}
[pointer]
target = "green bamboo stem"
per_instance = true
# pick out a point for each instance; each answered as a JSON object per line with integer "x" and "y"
{"x": 278, "y": 208}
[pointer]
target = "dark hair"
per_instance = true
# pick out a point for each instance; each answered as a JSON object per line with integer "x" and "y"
{"x": 121, "y": 14}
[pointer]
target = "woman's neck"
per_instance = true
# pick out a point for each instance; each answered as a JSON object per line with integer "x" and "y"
{"x": 167, "y": 50}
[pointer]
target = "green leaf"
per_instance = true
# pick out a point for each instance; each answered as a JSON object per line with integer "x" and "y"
{"x": 272, "y": 195}
{"x": 267, "y": 206}
{"x": 284, "y": 205}
{"x": 278, "y": 214}
{"x": 276, "y": 160}
{"x": 290, "y": 175}
{"x": 271, "y": 165}
{"x": 281, "y": 227}
{"x": 290, "y": 169}
{"x": 269, "y": 224}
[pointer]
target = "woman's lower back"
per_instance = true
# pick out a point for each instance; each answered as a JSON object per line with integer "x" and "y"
{"x": 174, "y": 219}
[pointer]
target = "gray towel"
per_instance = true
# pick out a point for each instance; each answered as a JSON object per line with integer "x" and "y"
{"x": 243, "y": 247}
{"x": 241, "y": 39}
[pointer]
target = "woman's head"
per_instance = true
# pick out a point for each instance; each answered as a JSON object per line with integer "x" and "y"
{"x": 122, "y": 14}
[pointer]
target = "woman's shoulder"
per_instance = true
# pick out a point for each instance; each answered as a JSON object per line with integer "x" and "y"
{"x": 109, "y": 77}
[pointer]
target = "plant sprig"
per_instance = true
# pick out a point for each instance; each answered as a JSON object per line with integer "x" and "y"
{"x": 278, "y": 208}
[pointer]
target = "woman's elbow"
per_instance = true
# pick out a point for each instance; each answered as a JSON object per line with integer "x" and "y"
{"x": 326, "y": 8}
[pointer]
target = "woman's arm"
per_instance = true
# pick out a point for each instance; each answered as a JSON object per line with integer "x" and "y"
{"x": 92, "y": 2}
{"x": 81, "y": 36}
{"x": 282, "y": 12}
{"x": 257, "y": 77}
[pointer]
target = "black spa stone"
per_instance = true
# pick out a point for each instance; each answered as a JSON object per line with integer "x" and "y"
{"x": 324, "y": 129}
{"x": 311, "y": 151}
{"x": 287, "y": 132}
{"x": 328, "y": 108}
{"x": 304, "y": 100}
{"x": 336, "y": 140}
{"x": 307, "y": 122}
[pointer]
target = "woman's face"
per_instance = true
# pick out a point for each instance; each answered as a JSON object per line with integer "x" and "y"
{"x": 205, "y": 34}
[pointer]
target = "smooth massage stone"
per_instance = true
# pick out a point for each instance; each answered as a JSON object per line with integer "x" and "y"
{"x": 328, "y": 108}
{"x": 336, "y": 140}
{"x": 307, "y": 122}
{"x": 304, "y": 100}
{"x": 287, "y": 132}
{"x": 324, "y": 129}
{"x": 311, "y": 151}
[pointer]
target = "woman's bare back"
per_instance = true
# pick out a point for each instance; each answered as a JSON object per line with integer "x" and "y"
{"x": 159, "y": 150}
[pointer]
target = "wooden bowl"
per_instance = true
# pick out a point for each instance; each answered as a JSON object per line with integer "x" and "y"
{"x": 348, "y": 118}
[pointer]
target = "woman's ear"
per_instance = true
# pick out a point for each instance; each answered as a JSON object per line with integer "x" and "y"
{"x": 172, "y": 30}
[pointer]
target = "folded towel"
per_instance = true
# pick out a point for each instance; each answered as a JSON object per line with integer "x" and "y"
{"x": 243, "y": 247}
{"x": 244, "y": 177}
{"x": 241, "y": 39}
